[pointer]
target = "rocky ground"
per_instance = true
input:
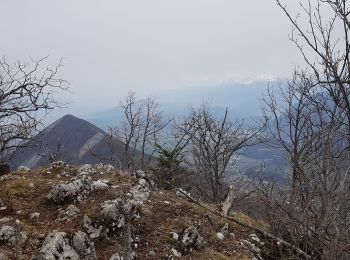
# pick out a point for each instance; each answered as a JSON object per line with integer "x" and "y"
{"x": 91, "y": 212}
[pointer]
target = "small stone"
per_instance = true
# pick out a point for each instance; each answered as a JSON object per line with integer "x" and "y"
{"x": 67, "y": 214}
{"x": 116, "y": 257}
{"x": 99, "y": 185}
{"x": 175, "y": 236}
{"x": 251, "y": 246}
{"x": 3, "y": 208}
{"x": 152, "y": 252}
{"x": 57, "y": 165}
{"x": 140, "y": 174}
{"x": 175, "y": 253}
{"x": 4, "y": 220}
{"x": 34, "y": 216}
{"x": 31, "y": 185}
{"x": 142, "y": 182}
{"x": 224, "y": 232}
{"x": 192, "y": 238}
{"x": 3, "y": 256}
{"x": 23, "y": 169}
{"x": 220, "y": 236}
{"x": 254, "y": 237}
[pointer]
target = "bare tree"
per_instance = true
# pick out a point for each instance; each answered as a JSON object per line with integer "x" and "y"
{"x": 324, "y": 44}
{"x": 52, "y": 154}
{"x": 290, "y": 121}
{"x": 26, "y": 95}
{"x": 140, "y": 129}
{"x": 312, "y": 124}
{"x": 213, "y": 143}
{"x": 307, "y": 124}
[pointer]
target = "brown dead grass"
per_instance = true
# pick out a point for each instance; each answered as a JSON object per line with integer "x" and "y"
{"x": 162, "y": 214}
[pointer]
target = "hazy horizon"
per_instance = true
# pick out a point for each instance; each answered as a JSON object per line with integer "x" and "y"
{"x": 149, "y": 47}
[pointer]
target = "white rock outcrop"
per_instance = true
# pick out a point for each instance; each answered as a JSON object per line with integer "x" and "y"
{"x": 23, "y": 169}
{"x": 57, "y": 165}
{"x": 68, "y": 214}
{"x": 224, "y": 232}
{"x": 83, "y": 245}
{"x": 94, "y": 232}
{"x": 75, "y": 190}
{"x": 140, "y": 192}
{"x": 112, "y": 213}
{"x": 56, "y": 246}
{"x": 3, "y": 256}
{"x": 8, "y": 235}
{"x": 34, "y": 216}
{"x": 192, "y": 239}
{"x": 99, "y": 185}
{"x": 116, "y": 256}
{"x": 97, "y": 168}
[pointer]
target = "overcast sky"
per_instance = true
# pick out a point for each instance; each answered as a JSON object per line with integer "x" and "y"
{"x": 112, "y": 46}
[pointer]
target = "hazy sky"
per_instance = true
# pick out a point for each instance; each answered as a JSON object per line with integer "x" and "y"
{"x": 111, "y": 46}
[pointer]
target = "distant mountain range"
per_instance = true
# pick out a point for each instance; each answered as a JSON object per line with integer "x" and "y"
{"x": 77, "y": 142}
{"x": 244, "y": 100}
{"x": 72, "y": 140}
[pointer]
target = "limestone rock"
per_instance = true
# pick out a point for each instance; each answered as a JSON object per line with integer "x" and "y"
{"x": 5, "y": 220}
{"x": 91, "y": 230}
{"x": 57, "y": 165}
{"x": 56, "y": 246}
{"x": 79, "y": 186}
{"x": 8, "y": 235}
{"x": 175, "y": 236}
{"x": 69, "y": 213}
{"x": 92, "y": 169}
{"x": 140, "y": 192}
{"x": 175, "y": 253}
{"x": 23, "y": 169}
{"x": 34, "y": 216}
{"x": 220, "y": 236}
{"x": 76, "y": 189}
{"x": 140, "y": 174}
{"x": 3, "y": 256}
{"x": 251, "y": 246}
{"x": 83, "y": 246}
{"x": 99, "y": 185}
{"x": 116, "y": 257}
{"x": 192, "y": 239}
{"x": 224, "y": 232}
{"x": 111, "y": 212}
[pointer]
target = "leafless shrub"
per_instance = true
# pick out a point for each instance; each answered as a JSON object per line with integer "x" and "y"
{"x": 26, "y": 95}
{"x": 140, "y": 130}
{"x": 213, "y": 142}
{"x": 313, "y": 212}
{"x": 313, "y": 126}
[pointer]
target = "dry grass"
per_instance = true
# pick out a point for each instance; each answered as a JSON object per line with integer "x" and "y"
{"x": 162, "y": 214}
